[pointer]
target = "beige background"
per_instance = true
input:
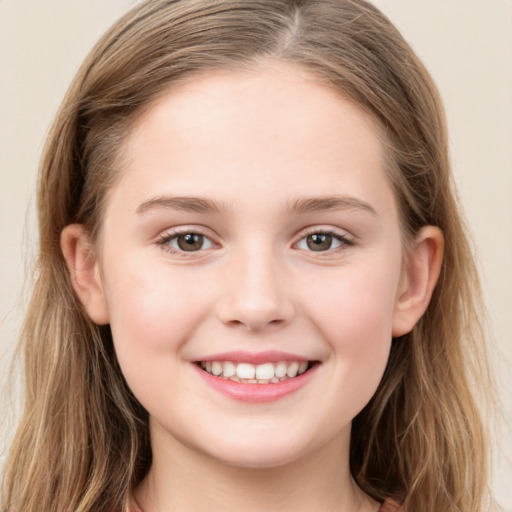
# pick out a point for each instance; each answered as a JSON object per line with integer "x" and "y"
{"x": 467, "y": 46}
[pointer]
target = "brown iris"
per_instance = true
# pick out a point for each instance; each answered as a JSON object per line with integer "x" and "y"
{"x": 319, "y": 241}
{"x": 190, "y": 242}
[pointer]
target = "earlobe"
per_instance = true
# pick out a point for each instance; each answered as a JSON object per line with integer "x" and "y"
{"x": 419, "y": 279}
{"x": 84, "y": 272}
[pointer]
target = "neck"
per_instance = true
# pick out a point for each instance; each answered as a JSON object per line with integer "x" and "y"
{"x": 186, "y": 480}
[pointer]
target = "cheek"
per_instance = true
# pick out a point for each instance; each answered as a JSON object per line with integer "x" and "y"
{"x": 354, "y": 312}
{"x": 356, "y": 322}
{"x": 153, "y": 312}
{"x": 356, "y": 304}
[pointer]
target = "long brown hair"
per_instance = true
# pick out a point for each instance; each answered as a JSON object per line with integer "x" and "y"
{"x": 83, "y": 442}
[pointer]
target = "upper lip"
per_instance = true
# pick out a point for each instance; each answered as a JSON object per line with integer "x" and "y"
{"x": 271, "y": 356}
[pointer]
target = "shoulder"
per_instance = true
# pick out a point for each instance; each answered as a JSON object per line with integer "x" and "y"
{"x": 390, "y": 506}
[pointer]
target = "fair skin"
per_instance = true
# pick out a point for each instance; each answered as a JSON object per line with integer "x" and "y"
{"x": 253, "y": 217}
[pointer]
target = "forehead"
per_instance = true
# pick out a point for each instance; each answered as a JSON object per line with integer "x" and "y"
{"x": 249, "y": 131}
{"x": 250, "y": 96}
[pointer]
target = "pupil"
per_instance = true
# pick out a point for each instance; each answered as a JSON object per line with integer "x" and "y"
{"x": 319, "y": 242}
{"x": 190, "y": 242}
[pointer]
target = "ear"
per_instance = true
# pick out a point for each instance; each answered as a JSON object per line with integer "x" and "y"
{"x": 83, "y": 266}
{"x": 419, "y": 277}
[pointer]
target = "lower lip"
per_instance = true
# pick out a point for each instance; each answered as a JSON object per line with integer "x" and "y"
{"x": 256, "y": 392}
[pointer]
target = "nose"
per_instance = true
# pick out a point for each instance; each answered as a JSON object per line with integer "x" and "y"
{"x": 255, "y": 296}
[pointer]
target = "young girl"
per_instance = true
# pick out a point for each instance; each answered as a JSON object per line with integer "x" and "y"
{"x": 254, "y": 287}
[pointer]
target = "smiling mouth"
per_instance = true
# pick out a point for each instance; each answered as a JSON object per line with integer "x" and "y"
{"x": 265, "y": 373}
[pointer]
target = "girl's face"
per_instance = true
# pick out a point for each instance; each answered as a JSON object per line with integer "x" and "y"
{"x": 253, "y": 234}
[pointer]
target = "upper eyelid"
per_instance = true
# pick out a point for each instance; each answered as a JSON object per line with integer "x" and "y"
{"x": 346, "y": 240}
{"x": 168, "y": 235}
{"x": 184, "y": 230}
{"x": 327, "y": 230}
{"x": 206, "y": 232}
{"x": 164, "y": 239}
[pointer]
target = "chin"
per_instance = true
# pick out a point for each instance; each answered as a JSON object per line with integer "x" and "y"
{"x": 257, "y": 460}
{"x": 253, "y": 453}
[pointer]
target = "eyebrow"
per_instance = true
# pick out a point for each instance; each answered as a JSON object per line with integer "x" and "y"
{"x": 186, "y": 204}
{"x": 326, "y": 203}
{"x": 297, "y": 205}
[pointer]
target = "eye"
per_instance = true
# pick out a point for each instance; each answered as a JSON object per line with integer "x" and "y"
{"x": 186, "y": 242}
{"x": 322, "y": 242}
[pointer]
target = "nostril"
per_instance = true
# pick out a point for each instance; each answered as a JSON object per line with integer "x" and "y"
{"x": 254, "y": 325}
{"x": 236, "y": 323}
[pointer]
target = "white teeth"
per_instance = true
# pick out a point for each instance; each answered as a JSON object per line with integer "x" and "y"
{"x": 292, "y": 370}
{"x": 265, "y": 371}
{"x": 281, "y": 369}
{"x": 216, "y": 368}
{"x": 229, "y": 369}
{"x": 245, "y": 371}
{"x": 255, "y": 374}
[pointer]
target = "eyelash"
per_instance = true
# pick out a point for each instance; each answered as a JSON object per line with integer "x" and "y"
{"x": 342, "y": 239}
{"x": 164, "y": 241}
